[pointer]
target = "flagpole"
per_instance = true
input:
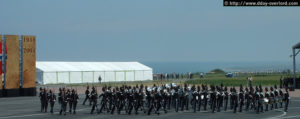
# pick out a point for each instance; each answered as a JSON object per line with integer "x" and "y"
{"x": 3, "y": 60}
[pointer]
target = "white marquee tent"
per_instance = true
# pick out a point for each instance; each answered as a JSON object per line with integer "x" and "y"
{"x": 89, "y": 72}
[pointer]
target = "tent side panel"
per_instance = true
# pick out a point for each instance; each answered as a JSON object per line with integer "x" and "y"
{"x": 49, "y": 78}
{"x": 63, "y": 77}
{"x": 110, "y": 76}
{"x": 139, "y": 75}
{"x": 148, "y": 75}
{"x": 75, "y": 77}
{"x": 87, "y": 77}
{"x": 130, "y": 76}
{"x": 120, "y": 76}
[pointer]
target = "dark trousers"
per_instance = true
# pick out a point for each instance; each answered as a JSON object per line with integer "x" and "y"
{"x": 45, "y": 105}
{"x": 51, "y": 105}
{"x": 70, "y": 106}
{"x": 42, "y": 106}
{"x": 74, "y": 107}
{"x": 86, "y": 98}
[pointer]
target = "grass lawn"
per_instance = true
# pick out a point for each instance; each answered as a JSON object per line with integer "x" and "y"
{"x": 217, "y": 79}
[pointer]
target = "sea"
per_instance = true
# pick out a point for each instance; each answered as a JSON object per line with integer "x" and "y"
{"x": 184, "y": 67}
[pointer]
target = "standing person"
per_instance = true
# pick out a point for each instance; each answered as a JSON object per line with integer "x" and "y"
{"x": 41, "y": 98}
{"x": 226, "y": 95}
{"x": 250, "y": 79}
{"x": 75, "y": 100}
{"x": 281, "y": 82}
{"x": 64, "y": 102}
{"x": 45, "y": 100}
{"x": 87, "y": 96}
{"x": 70, "y": 100}
{"x": 99, "y": 79}
{"x": 94, "y": 97}
{"x": 286, "y": 99}
{"x": 52, "y": 99}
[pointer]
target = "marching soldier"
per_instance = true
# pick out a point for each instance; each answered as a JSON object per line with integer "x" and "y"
{"x": 52, "y": 99}
{"x": 94, "y": 97}
{"x": 87, "y": 96}
{"x": 213, "y": 98}
{"x": 248, "y": 99}
{"x": 267, "y": 95}
{"x": 199, "y": 97}
{"x": 64, "y": 101}
{"x": 70, "y": 100}
{"x": 276, "y": 92}
{"x": 281, "y": 96}
{"x": 42, "y": 99}
{"x": 45, "y": 99}
{"x": 226, "y": 96}
{"x": 219, "y": 98}
{"x": 234, "y": 99}
{"x": 205, "y": 94}
{"x": 272, "y": 98}
{"x": 286, "y": 99}
{"x": 75, "y": 99}
{"x": 195, "y": 98}
{"x": 241, "y": 98}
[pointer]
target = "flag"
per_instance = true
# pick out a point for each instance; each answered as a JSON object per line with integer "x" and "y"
{"x": 2, "y": 55}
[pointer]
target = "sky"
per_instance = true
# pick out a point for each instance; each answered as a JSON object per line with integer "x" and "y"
{"x": 153, "y": 30}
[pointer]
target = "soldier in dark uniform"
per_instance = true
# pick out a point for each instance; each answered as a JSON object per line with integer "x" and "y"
{"x": 226, "y": 96}
{"x": 205, "y": 94}
{"x": 70, "y": 100}
{"x": 241, "y": 98}
{"x": 42, "y": 99}
{"x": 64, "y": 102}
{"x": 286, "y": 99}
{"x": 231, "y": 98}
{"x": 130, "y": 99}
{"x": 281, "y": 96}
{"x": 252, "y": 98}
{"x": 52, "y": 99}
{"x": 219, "y": 98}
{"x": 199, "y": 100}
{"x": 257, "y": 100}
{"x": 59, "y": 95}
{"x": 234, "y": 99}
{"x": 45, "y": 99}
{"x": 75, "y": 99}
{"x": 175, "y": 97}
{"x": 213, "y": 98}
{"x": 121, "y": 99}
{"x": 186, "y": 97}
{"x": 151, "y": 101}
{"x": 272, "y": 98}
{"x": 267, "y": 95}
{"x": 104, "y": 99}
{"x": 276, "y": 92}
{"x": 157, "y": 101}
{"x": 114, "y": 101}
{"x": 87, "y": 96}
{"x": 261, "y": 100}
{"x": 94, "y": 97}
{"x": 247, "y": 98}
{"x": 195, "y": 98}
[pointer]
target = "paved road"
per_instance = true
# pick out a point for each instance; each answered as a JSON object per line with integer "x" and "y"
{"x": 28, "y": 108}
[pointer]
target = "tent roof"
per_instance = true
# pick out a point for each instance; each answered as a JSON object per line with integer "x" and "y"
{"x": 297, "y": 46}
{"x": 54, "y": 66}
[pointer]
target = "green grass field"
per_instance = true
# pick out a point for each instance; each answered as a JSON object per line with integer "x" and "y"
{"x": 210, "y": 79}
{"x": 217, "y": 79}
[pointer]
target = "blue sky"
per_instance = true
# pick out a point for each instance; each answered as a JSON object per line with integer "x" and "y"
{"x": 154, "y": 30}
